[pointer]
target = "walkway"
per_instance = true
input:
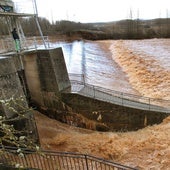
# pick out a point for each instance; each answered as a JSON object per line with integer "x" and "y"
{"x": 115, "y": 97}
{"x": 32, "y": 43}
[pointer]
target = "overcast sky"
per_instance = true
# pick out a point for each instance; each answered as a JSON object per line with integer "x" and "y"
{"x": 101, "y": 10}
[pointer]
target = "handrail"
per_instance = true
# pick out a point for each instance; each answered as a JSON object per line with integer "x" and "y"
{"x": 117, "y": 97}
{"x": 50, "y": 160}
{"x": 7, "y": 44}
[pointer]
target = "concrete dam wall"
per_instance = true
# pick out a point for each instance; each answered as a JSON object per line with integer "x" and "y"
{"x": 14, "y": 106}
{"x": 46, "y": 76}
{"x": 45, "y": 79}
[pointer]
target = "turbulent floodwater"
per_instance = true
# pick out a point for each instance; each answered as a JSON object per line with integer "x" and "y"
{"x": 147, "y": 64}
{"x": 139, "y": 67}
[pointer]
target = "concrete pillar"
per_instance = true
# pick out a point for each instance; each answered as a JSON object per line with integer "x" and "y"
{"x": 60, "y": 69}
{"x": 17, "y": 112}
{"x": 46, "y": 75}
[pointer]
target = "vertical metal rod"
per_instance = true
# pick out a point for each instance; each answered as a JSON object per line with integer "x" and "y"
{"x": 37, "y": 22}
{"x": 94, "y": 91}
{"x": 83, "y": 79}
{"x": 122, "y": 98}
{"x": 86, "y": 162}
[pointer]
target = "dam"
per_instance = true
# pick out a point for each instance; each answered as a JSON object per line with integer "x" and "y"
{"x": 49, "y": 85}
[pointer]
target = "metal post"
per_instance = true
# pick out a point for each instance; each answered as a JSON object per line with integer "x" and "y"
{"x": 94, "y": 91}
{"x": 48, "y": 42}
{"x": 38, "y": 25}
{"x": 86, "y": 162}
{"x": 21, "y": 62}
{"x": 122, "y": 98}
{"x": 35, "y": 42}
{"x": 83, "y": 79}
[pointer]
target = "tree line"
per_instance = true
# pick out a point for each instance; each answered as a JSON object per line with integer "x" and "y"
{"x": 124, "y": 29}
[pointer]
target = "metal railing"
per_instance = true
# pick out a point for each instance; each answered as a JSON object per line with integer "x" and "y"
{"x": 37, "y": 42}
{"x": 8, "y": 45}
{"x": 80, "y": 86}
{"x": 48, "y": 160}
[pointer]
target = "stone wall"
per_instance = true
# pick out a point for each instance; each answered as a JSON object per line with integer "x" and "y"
{"x": 115, "y": 117}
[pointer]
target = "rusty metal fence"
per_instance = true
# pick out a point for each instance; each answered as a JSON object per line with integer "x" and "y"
{"x": 48, "y": 160}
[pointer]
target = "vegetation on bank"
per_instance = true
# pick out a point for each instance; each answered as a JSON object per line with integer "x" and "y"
{"x": 123, "y": 29}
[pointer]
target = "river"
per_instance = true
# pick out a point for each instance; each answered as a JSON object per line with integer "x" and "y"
{"x": 94, "y": 60}
{"x": 139, "y": 67}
